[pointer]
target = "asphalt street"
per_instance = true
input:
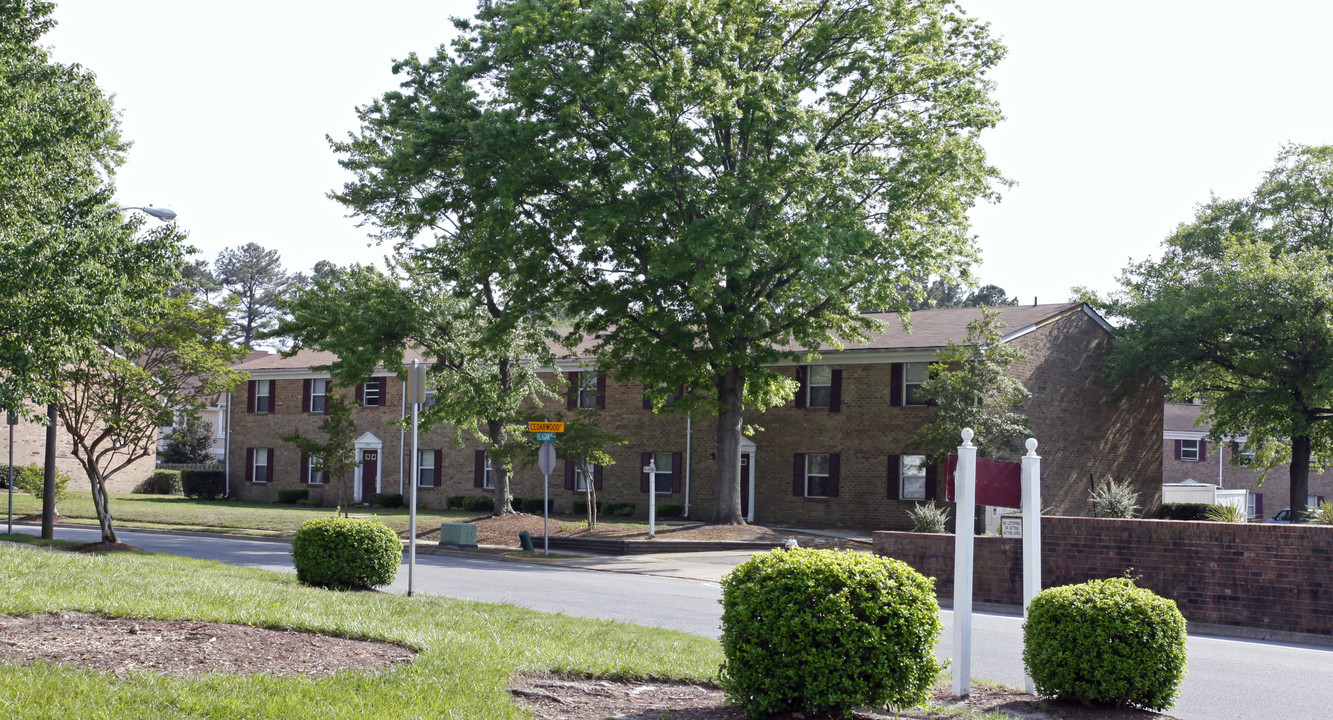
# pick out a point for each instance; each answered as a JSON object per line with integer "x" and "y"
{"x": 1227, "y": 678}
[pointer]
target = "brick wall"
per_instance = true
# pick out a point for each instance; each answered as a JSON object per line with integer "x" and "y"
{"x": 1258, "y": 575}
{"x": 30, "y": 449}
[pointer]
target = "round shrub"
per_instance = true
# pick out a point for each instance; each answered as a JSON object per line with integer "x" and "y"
{"x": 815, "y": 630}
{"x": 342, "y": 552}
{"x": 1105, "y": 641}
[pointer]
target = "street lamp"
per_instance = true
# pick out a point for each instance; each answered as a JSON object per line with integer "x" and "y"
{"x": 163, "y": 214}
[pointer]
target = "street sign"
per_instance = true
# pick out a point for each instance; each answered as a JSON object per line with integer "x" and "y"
{"x": 1011, "y": 526}
{"x": 546, "y": 458}
{"x": 547, "y": 427}
{"x": 545, "y": 437}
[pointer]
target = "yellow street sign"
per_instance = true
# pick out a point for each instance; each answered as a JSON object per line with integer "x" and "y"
{"x": 546, "y": 427}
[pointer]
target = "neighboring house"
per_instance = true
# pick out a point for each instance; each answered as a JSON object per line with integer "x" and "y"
{"x": 215, "y": 414}
{"x": 838, "y": 454}
{"x": 1188, "y": 453}
{"x": 30, "y": 449}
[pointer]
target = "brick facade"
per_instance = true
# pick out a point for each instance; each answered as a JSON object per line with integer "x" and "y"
{"x": 1232, "y": 574}
{"x": 30, "y": 449}
{"x": 1081, "y": 432}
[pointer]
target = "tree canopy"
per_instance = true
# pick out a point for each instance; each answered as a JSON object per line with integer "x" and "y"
{"x": 1238, "y": 311}
{"x": 702, "y": 185}
{"x": 257, "y": 283}
{"x": 72, "y": 270}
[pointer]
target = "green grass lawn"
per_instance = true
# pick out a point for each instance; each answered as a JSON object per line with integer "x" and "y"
{"x": 468, "y": 651}
{"x": 176, "y": 512}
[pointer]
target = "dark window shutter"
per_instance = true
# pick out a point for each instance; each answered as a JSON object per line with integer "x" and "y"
{"x": 272, "y": 465}
{"x": 1203, "y": 450}
{"x": 305, "y": 394}
{"x": 677, "y": 472}
{"x": 250, "y": 464}
{"x": 802, "y": 385}
{"x": 360, "y": 393}
{"x": 932, "y": 481}
{"x": 1259, "y": 504}
{"x": 896, "y": 385}
{"x": 644, "y": 459}
{"x": 569, "y": 474}
{"x": 479, "y": 469}
{"x": 1318, "y": 500}
{"x": 892, "y": 478}
{"x": 250, "y": 401}
{"x": 305, "y": 466}
{"x": 647, "y": 401}
{"x": 572, "y": 398}
{"x": 273, "y": 396}
{"x": 798, "y": 474}
{"x": 597, "y": 477}
{"x": 438, "y": 476}
{"x": 835, "y": 393}
{"x": 383, "y": 381}
{"x": 834, "y": 473}
{"x": 601, "y": 392}
{"x": 1177, "y": 449}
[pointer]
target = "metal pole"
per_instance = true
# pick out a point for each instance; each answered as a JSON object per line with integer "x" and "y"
{"x": 965, "y": 487}
{"x": 1031, "y": 474}
{"x": 416, "y": 480}
{"x": 546, "y": 513}
{"x": 49, "y": 478}
{"x": 12, "y": 421}
{"x": 652, "y": 499}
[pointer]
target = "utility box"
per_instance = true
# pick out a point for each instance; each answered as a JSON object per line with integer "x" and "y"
{"x": 458, "y": 535}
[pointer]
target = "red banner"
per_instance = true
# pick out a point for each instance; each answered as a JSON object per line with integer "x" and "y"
{"x": 999, "y": 482}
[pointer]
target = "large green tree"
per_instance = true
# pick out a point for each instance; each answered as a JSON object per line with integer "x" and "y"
{"x": 257, "y": 283}
{"x": 173, "y": 359}
{"x": 706, "y": 186}
{"x": 1238, "y": 311}
{"x": 71, "y": 269}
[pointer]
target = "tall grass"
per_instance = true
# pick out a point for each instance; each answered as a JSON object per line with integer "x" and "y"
{"x": 468, "y": 651}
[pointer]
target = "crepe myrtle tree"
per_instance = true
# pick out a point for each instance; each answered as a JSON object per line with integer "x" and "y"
{"x": 482, "y": 356}
{"x": 704, "y": 187}
{"x": 336, "y": 455}
{"x": 1238, "y": 311}
{"x": 173, "y": 360}
{"x": 585, "y": 443}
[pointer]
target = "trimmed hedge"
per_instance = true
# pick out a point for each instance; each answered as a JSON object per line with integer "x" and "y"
{"x": 162, "y": 482}
{"x": 618, "y": 509}
{"x": 203, "y": 484}
{"x": 671, "y": 510}
{"x": 387, "y": 500}
{"x": 292, "y": 496}
{"x": 344, "y": 553}
{"x": 532, "y": 506}
{"x": 1184, "y": 511}
{"x": 820, "y": 630}
{"x": 580, "y": 506}
{"x": 470, "y": 503}
{"x": 1105, "y": 641}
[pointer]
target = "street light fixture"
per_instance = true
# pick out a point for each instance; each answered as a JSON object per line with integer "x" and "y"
{"x": 163, "y": 214}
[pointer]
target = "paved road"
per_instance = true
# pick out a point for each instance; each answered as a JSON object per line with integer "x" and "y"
{"x": 1227, "y": 678}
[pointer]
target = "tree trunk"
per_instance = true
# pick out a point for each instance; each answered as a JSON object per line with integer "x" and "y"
{"x": 590, "y": 494}
{"x": 730, "y": 423}
{"x": 103, "y": 509}
{"x": 1300, "y": 478}
{"x": 495, "y": 430}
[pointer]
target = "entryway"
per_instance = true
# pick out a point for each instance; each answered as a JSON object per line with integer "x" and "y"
{"x": 748, "y": 452}
{"x": 368, "y": 448}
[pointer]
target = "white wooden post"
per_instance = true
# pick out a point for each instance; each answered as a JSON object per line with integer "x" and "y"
{"x": 418, "y": 378}
{"x": 651, "y": 469}
{"x": 1031, "y": 535}
{"x": 965, "y": 519}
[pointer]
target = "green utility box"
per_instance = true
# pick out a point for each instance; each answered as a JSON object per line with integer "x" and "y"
{"x": 458, "y": 535}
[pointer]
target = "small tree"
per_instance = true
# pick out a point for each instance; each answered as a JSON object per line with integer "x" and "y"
{"x": 337, "y": 454}
{"x": 191, "y": 442}
{"x": 969, "y": 388}
{"x": 585, "y": 443}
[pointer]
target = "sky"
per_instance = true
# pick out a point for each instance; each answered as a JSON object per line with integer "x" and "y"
{"x": 1120, "y": 118}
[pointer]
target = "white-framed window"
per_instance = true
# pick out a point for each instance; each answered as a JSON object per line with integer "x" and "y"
{"x": 259, "y": 471}
{"x": 914, "y": 374}
{"x": 488, "y": 478}
{"x": 817, "y": 471}
{"x": 319, "y": 395}
{"x": 1250, "y": 505}
{"x": 370, "y": 393}
{"x": 430, "y": 398}
{"x": 263, "y": 396}
{"x": 426, "y": 468}
{"x": 820, "y": 383}
{"x": 587, "y": 390}
{"x": 580, "y": 480}
{"x": 666, "y": 472}
{"x": 1244, "y": 454}
{"x": 316, "y": 477}
{"x": 1189, "y": 450}
{"x": 912, "y": 477}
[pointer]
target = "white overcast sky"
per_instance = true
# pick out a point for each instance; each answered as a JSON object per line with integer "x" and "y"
{"x": 1120, "y": 117}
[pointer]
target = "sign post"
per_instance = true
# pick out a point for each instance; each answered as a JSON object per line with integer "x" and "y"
{"x": 964, "y": 521}
{"x": 651, "y": 469}
{"x": 1031, "y": 535}
{"x": 418, "y": 378}
{"x": 13, "y": 420}
{"x": 545, "y": 432}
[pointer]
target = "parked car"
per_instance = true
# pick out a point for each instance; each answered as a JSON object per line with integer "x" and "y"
{"x": 1282, "y": 516}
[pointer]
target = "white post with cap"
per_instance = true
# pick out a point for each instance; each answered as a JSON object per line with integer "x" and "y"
{"x": 1031, "y": 474}
{"x": 965, "y": 519}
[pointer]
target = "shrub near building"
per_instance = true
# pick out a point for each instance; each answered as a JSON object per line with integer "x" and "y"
{"x": 817, "y": 630}
{"x": 345, "y": 553}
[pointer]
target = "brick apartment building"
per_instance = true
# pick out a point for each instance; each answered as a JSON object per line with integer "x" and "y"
{"x": 30, "y": 449}
{"x": 836, "y": 455}
{"x": 1188, "y": 453}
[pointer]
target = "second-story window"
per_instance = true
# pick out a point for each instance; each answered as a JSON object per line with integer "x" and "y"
{"x": 370, "y": 393}
{"x": 319, "y": 395}
{"x": 914, "y": 375}
{"x": 263, "y": 396}
{"x": 821, "y": 386}
{"x": 588, "y": 390}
